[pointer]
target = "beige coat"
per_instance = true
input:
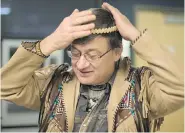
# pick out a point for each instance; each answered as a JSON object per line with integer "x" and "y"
{"x": 161, "y": 93}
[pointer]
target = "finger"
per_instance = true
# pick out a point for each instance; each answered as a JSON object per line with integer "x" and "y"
{"x": 104, "y": 7}
{"x": 81, "y": 34}
{"x": 115, "y": 12}
{"x": 83, "y": 13}
{"x": 83, "y": 27}
{"x": 75, "y": 11}
{"x": 84, "y": 19}
{"x": 110, "y": 8}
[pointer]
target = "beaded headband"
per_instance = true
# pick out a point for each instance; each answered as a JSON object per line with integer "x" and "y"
{"x": 104, "y": 30}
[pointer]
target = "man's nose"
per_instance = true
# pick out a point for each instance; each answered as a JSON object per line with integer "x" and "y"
{"x": 82, "y": 63}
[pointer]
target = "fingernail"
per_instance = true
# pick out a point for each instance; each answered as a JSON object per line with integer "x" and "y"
{"x": 94, "y": 16}
{"x": 76, "y": 10}
{"x": 93, "y": 25}
{"x": 89, "y": 11}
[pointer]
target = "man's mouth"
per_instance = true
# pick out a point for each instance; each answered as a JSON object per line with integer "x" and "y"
{"x": 85, "y": 73}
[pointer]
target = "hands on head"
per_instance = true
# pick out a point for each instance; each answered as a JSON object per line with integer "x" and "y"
{"x": 79, "y": 24}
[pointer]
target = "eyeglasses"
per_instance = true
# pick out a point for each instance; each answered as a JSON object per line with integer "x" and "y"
{"x": 89, "y": 56}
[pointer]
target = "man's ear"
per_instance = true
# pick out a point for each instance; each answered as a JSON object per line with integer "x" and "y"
{"x": 118, "y": 52}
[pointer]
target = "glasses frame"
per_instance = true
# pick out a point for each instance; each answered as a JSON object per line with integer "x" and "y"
{"x": 100, "y": 56}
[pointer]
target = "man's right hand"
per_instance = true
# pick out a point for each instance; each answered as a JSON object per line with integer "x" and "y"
{"x": 71, "y": 28}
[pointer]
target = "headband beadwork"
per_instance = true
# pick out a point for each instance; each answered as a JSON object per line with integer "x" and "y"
{"x": 104, "y": 30}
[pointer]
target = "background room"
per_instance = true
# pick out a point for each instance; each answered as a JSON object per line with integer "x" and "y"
{"x": 30, "y": 20}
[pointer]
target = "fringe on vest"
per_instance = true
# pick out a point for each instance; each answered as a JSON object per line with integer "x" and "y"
{"x": 145, "y": 74}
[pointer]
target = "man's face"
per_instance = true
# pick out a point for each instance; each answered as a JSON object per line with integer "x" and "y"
{"x": 96, "y": 71}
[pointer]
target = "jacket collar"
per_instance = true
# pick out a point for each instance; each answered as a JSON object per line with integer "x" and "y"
{"x": 118, "y": 90}
{"x": 70, "y": 97}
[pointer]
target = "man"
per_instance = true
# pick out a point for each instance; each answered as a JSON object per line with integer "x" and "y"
{"x": 102, "y": 92}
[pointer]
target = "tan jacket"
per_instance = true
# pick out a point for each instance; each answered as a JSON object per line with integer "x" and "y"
{"x": 162, "y": 92}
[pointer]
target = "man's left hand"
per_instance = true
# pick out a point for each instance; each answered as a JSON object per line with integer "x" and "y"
{"x": 125, "y": 27}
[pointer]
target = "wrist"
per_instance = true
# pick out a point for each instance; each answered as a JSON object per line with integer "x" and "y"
{"x": 45, "y": 47}
{"x": 134, "y": 34}
{"x": 138, "y": 37}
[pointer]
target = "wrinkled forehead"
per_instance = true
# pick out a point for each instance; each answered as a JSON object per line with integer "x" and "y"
{"x": 99, "y": 43}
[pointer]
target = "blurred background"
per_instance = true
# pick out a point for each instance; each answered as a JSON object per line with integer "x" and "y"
{"x": 30, "y": 20}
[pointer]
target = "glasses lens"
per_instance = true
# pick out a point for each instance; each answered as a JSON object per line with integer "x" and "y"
{"x": 91, "y": 58}
{"x": 74, "y": 55}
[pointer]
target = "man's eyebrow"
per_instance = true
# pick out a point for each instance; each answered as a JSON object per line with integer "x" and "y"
{"x": 96, "y": 50}
{"x": 89, "y": 50}
{"x": 75, "y": 48}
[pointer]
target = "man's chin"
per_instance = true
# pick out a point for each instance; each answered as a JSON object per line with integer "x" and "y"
{"x": 85, "y": 80}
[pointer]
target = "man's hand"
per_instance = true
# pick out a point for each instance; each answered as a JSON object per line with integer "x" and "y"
{"x": 126, "y": 29}
{"x": 71, "y": 28}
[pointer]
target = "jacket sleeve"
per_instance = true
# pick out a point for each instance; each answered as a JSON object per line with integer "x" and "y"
{"x": 23, "y": 80}
{"x": 162, "y": 84}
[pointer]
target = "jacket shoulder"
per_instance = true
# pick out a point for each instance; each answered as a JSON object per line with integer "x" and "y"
{"x": 44, "y": 72}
